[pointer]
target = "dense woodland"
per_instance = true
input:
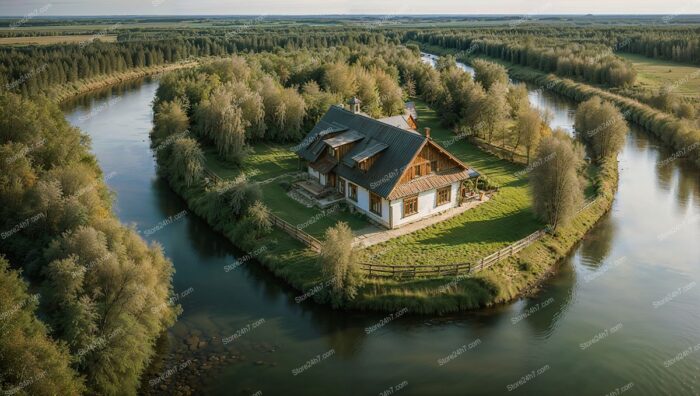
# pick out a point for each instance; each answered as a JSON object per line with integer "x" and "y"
{"x": 101, "y": 291}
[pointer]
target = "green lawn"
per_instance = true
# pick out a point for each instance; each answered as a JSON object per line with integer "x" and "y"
{"x": 655, "y": 73}
{"x": 268, "y": 161}
{"x": 470, "y": 236}
{"x": 477, "y": 232}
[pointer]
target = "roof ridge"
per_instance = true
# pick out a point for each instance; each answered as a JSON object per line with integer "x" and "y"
{"x": 411, "y": 133}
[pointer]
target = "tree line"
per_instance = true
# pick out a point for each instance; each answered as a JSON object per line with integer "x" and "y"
{"x": 230, "y": 104}
{"x": 593, "y": 63}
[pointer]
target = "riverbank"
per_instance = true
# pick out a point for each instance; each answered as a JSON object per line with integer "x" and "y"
{"x": 65, "y": 92}
{"x": 507, "y": 280}
{"x": 673, "y": 132}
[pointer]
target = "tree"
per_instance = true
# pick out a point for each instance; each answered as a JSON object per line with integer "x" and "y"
{"x": 495, "y": 109}
{"x": 338, "y": 78}
{"x": 367, "y": 92}
{"x": 339, "y": 264}
{"x": 186, "y": 162}
{"x": 489, "y": 73}
{"x": 557, "y": 188}
{"x": 169, "y": 119}
{"x": 390, "y": 93}
{"x": 527, "y": 129}
{"x": 30, "y": 361}
{"x": 221, "y": 120}
{"x": 601, "y": 125}
{"x": 517, "y": 98}
{"x": 258, "y": 216}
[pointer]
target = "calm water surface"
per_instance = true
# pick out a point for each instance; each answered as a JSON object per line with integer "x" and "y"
{"x": 621, "y": 312}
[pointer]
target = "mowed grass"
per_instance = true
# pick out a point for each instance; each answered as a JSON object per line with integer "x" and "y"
{"x": 656, "y": 73}
{"x": 478, "y": 232}
{"x": 48, "y": 40}
{"x": 271, "y": 165}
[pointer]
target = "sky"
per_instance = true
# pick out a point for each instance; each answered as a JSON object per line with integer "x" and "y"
{"x": 36, "y": 8}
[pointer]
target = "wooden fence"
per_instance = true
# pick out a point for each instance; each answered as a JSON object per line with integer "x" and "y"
{"x": 294, "y": 232}
{"x": 416, "y": 271}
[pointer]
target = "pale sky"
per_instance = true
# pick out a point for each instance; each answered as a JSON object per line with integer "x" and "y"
{"x": 38, "y": 8}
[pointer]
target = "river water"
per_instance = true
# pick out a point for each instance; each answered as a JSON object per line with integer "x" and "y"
{"x": 620, "y": 315}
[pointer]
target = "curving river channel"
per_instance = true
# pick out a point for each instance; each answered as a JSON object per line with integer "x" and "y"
{"x": 620, "y": 315}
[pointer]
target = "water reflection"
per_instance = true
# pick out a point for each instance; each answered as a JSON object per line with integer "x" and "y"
{"x": 597, "y": 244}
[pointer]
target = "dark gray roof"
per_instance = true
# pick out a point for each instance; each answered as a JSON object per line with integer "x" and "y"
{"x": 401, "y": 148}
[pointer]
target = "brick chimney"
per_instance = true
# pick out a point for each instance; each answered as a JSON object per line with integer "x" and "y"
{"x": 427, "y": 132}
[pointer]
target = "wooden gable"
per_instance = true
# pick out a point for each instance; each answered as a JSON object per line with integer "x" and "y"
{"x": 412, "y": 122}
{"x": 430, "y": 159}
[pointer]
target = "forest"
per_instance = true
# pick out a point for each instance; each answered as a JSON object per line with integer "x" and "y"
{"x": 94, "y": 281}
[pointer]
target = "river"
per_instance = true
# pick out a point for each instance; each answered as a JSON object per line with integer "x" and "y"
{"x": 620, "y": 314}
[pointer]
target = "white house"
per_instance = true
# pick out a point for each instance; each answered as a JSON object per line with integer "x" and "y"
{"x": 393, "y": 175}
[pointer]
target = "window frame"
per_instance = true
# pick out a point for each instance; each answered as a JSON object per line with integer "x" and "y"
{"x": 377, "y": 200}
{"x": 406, "y": 202}
{"x": 352, "y": 188}
{"x": 417, "y": 171}
{"x": 448, "y": 197}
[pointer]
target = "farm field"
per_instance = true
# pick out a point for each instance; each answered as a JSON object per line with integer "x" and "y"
{"x": 48, "y": 40}
{"x": 655, "y": 74}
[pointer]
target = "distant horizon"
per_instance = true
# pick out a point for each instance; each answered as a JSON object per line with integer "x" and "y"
{"x": 309, "y": 8}
{"x": 335, "y": 15}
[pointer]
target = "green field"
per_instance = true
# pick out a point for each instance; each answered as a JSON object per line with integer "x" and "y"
{"x": 654, "y": 74}
{"x": 48, "y": 40}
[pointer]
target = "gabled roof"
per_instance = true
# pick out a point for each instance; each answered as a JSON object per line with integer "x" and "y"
{"x": 395, "y": 148}
{"x": 411, "y": 109}
{"x": 399, "y": 121}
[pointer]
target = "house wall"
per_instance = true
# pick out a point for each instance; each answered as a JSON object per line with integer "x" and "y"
{"x": 314, "y": 174}
{"x": 426, "y": 206}
{"x": 362, "y": 204}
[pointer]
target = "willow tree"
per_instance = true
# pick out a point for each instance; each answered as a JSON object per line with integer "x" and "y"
{"x": 556, "y": 183}
{"x": 30, "y": 361}
{"x": 489, "y": 73}
{"x": 221, "y": 119}
{"x": 186, "y": 162}
{"x": 527, "y": 129}
{"x": 339, "y": 263}
{"x": 601, "y": 125}
{"x": 169, "y": 119}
